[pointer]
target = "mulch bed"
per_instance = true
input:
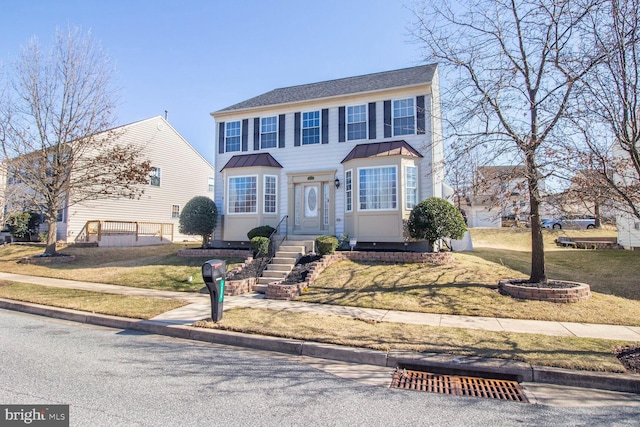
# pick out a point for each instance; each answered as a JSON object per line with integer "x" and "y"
{"x": 301, "y": 270}
{"x": 629, "y": 356}
{"x": 551, "y": 284}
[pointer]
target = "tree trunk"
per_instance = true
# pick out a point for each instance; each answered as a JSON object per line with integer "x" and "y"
{"x": 538, "y": 274}
{"x": 52, "y": 218}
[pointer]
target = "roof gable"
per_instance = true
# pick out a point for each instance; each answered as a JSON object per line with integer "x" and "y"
{"x": 252, "y": 160}
{"x": 351, "y": 85}
{"x": 382, "y": 149}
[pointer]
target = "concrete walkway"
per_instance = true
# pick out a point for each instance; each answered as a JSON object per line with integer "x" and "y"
{"x": 199, "y": 308}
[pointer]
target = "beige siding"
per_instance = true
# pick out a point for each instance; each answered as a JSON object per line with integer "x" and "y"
{"x": 184, "y": 175}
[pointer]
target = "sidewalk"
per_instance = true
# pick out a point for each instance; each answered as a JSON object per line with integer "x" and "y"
{"x": 199, "y": 308}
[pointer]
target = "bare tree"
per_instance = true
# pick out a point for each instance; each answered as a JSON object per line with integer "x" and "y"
{"x": 55, "y": 127}
{"x": 513, "y": 66}
{"x": 609, "y": 114}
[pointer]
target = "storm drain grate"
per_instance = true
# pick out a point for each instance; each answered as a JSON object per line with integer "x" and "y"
{"x": 458, "y": 385}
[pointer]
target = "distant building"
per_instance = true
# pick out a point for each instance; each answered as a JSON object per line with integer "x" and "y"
{"x": 498, "y": 193}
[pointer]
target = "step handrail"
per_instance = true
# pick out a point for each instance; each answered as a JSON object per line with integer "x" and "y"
{"x": 273, "y": 244}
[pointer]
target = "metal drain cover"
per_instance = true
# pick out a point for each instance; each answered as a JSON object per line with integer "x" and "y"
{"x": 458, "y": 385}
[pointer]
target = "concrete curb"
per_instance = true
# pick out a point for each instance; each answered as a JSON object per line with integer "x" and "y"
{"x": 435, "y": 362}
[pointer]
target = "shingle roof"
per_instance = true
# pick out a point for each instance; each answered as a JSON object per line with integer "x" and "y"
{"x": 371, "y": 82}
{"x": 382, "y": 149}
{"x": 251, "y": 160}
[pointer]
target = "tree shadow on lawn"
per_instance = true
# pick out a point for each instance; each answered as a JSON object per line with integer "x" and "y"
{"x": 611, "y": 272}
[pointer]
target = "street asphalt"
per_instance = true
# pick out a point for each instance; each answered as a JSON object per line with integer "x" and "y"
{"x": 543, "y": 384}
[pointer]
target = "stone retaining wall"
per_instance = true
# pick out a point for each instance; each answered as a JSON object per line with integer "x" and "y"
{"x": 58, "y": 259}
{"x": 278, "y": 290}
{"x": 215, "y": 253}
{"x": 580, "y": 292}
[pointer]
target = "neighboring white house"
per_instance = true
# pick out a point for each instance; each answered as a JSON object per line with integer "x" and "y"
{"x": 627, "y": 224}
{"x": 179, "y": 174}
{"x": 498, "y": 192}
{"x": 349, "y": 156}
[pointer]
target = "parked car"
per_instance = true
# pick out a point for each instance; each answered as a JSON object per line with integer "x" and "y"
{"x": 570, "y": 221}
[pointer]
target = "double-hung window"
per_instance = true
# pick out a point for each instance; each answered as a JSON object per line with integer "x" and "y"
{"x": 154, "y": 177}
{"x": 232, "y": 136}
{"x": 270, "y": 194}
{"x": 404, "y": 117}
{"x": 175, "y": 211}
{"x": 377, "y": 188}
{"x": 357, "y": 122}
{"x": 411, "y": 187}
{"x": 311, "y": 127}
{"x": 243, "y": 194}
{"x": 269, "y": 132}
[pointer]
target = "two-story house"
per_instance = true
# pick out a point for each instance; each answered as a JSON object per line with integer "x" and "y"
{"x": 348, "y": 156}
{"x": 178, "y": 173}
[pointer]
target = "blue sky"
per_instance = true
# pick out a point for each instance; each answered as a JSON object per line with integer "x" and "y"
{"x": 192, "y": 57}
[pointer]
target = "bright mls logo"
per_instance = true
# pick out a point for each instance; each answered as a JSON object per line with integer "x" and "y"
{"x": 35, "y": 415}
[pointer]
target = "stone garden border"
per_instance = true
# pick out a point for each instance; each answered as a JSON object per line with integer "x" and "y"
{"x": 574, "y": 293}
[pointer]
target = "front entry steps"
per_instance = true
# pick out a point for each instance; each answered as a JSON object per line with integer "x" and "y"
{"x": 286, "y": 257}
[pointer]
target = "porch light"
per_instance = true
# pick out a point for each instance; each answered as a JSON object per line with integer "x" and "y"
{"x": 337, "y": 183}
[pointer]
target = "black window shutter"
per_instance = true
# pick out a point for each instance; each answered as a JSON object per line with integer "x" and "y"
{"x": 325, "y": 125}
{"x": 372, "y": 120}
{"x": 221, "y": 138}
{"x": 281, "y": 131}
{"x": 421, "y": 115}
{"x": 245, "y": 135}
{"x": 296, "y": 130}
{"x": 256, "y": 134}
{"x": 387, "y": 119}
{"x": 341, "y": 129}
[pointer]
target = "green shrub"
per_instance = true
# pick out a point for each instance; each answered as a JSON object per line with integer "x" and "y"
{"x": 262, "y": 231}
{"x": 22, "y": 225}
{"x": 260, "y": 245}
{"x": 435, "y": 218}
{"x": 199, "y": 217}
{"x": 326, "y": 245}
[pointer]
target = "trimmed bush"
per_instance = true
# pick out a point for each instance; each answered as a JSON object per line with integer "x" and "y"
{"x": 262, "y": 231}
{"x": 199, "y": 217}
{"x": 260, "y": 245}
{"x": 435, "y": 218}
{"x": 326, "y": 245}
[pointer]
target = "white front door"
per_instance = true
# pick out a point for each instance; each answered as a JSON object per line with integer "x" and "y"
{"x": 311, "y": 207}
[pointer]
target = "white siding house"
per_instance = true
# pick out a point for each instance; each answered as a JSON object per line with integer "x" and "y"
{"x": 348, "y": 156}
{"x": 180, "y": 173}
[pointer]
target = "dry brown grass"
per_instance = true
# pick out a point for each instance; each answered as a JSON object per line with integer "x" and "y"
{"x": 467, "y": 287}
{"x": 94, "y": 302}
{"x": 564, "y": 352}
{"x": 152, "y": 267}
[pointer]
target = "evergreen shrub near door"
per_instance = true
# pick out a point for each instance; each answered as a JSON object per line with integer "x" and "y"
{"x": 326, "y": 245}
{"x": 261, "y": 231}
{"x": 260, "y": 245}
